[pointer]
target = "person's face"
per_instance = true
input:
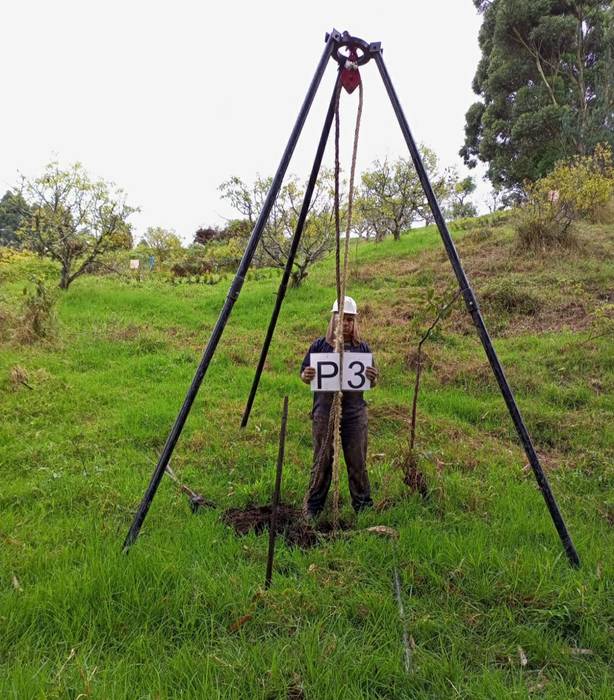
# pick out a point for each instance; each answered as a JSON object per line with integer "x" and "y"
{"x": 348, "y": 327}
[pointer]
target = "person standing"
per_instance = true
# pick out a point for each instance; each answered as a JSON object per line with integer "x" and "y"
{"x": 354, "y": 420}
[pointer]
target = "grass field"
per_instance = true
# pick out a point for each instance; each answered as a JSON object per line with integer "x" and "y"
{"x": 493, "y": 609}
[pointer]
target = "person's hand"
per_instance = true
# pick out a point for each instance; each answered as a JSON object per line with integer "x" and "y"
{"x": 372, "y": 375}
{"x": 308, "y": 374}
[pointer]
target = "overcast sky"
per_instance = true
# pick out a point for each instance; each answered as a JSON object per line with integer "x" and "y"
{"x": 170, "y": 99}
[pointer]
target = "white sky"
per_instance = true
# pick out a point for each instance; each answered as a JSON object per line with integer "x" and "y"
{"x": 170, "y": 99}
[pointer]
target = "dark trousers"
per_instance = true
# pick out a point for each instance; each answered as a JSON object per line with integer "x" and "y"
{"x": 354, "y": 442}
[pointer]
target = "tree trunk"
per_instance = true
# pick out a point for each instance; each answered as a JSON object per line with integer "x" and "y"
{"x": 65, "y": 279}
{"x": 297, "y": 277}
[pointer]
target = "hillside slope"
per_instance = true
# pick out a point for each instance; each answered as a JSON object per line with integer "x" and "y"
{"x": 493, "y": 609}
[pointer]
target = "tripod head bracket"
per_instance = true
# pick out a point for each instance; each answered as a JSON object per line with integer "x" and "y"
{"x": 344, "y": 40}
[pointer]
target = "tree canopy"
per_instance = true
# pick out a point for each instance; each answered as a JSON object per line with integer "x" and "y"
{"x": 546, "y": 79}
{"x": 162, "y": 242}
{"x": 13, "y": 210}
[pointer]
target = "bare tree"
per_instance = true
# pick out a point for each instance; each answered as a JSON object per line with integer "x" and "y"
{"x": 318, "y": 233}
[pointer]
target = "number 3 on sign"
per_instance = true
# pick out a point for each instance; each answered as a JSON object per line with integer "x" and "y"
{"x": 326, "y": 365}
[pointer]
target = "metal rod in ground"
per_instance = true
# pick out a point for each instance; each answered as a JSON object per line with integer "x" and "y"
{"x": 232, "y": 296}
{"x": 276, "y": 491}
{"x": 281, "y": 292}
{"x": 474, "y": 310}
{"x": 398, "y": 596}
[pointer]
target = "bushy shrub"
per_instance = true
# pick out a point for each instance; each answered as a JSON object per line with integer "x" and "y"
{"x": 580, "y": 188}
{"x": 197, "y": 260}
{"x": 17, "y": 264}
{"x": 194, "y": 261}
{"x": 38, "y": 320}
{"x": 34, "y": 321}
{"x": 206, "y": 278}
{"x": 484, "y": 233}
{"x": 466, "y": 223}
{"x": 498, "y": 218}
{"x": 507, "y": 297}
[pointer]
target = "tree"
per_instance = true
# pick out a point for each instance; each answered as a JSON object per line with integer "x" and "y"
{"x": 207, "y": 234}
{"x": 13, "y": 210}
{"x": 239, "y": 229}
{"x": 162, "y": 242}
{"x": 391, "y": 197}
{"x": 318, "y": 233}
{"x": 495, "y": 200}
{"x": 546, "y": 79}
{"x": 459, "y": 192}
{"x": 74, "y": 220}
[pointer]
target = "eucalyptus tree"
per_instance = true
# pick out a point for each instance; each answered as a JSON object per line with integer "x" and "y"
{"x": 546, "y": 83}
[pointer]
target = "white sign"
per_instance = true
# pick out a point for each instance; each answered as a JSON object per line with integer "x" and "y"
{"x": 326, "y": 365}
{"x": 135, "y": 264}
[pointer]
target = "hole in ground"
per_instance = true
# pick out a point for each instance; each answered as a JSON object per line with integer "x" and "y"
{"x": 291, "y": 524}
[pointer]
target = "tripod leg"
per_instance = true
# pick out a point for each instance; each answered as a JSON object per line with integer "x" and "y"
{"x": 281, "y": 292}
{"x": 474, "y": 310}
{"x": 233, "y": 294}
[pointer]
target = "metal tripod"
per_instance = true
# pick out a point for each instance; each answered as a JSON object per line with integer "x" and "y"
{"x": 335, "y": 43}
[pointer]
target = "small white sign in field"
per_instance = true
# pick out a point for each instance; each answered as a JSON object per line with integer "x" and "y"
{"x": 326, "y": 365}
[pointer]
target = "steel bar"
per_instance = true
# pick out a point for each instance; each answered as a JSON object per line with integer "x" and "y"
{"x": 474, "y": 310}
{"x": 276, "y": 491}
{"x": 232, "y": 296}
{"x": 298, "y": 232}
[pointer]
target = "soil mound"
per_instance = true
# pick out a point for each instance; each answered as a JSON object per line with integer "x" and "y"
{"x": 291, "y": 524}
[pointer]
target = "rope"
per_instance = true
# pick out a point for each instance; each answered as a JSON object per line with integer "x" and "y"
{"x": 334, "y": 421}
{"x": 341, "y": 278}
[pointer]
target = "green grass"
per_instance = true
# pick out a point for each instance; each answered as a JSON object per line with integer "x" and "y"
{"x": 484, "y": 575}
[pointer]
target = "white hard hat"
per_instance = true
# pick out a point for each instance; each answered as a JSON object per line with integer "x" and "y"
{"x": 349, "y": 307}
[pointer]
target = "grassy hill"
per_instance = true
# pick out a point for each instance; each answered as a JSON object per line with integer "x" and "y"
{"x": 493, "y": 609}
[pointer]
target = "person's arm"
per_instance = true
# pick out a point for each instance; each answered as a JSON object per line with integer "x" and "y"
{"x": 372, "y": 375}
{"x": 307, "y": 372}
{"x": 371, "y": 372}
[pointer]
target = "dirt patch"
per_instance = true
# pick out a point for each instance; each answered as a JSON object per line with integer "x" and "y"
{"x": 126, "y": 333}
{"x": 291, "y": 524}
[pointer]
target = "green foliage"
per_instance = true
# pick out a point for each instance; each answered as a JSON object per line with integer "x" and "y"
{"x": 13, "y": 210}
{"x": 576, "y": 189}
{"x": 24, "y": 264}
{"x": 546, "y": 79}
{"x": 162, "y": 243}
{"x": 74, "y": 220}
{"x": 467, "y": 224}
{"x": 220, "y": 256}
{"x": 460, "y": 190}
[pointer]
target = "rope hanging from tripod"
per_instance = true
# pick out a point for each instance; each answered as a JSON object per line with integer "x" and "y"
{"x": 341, "y": 279}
